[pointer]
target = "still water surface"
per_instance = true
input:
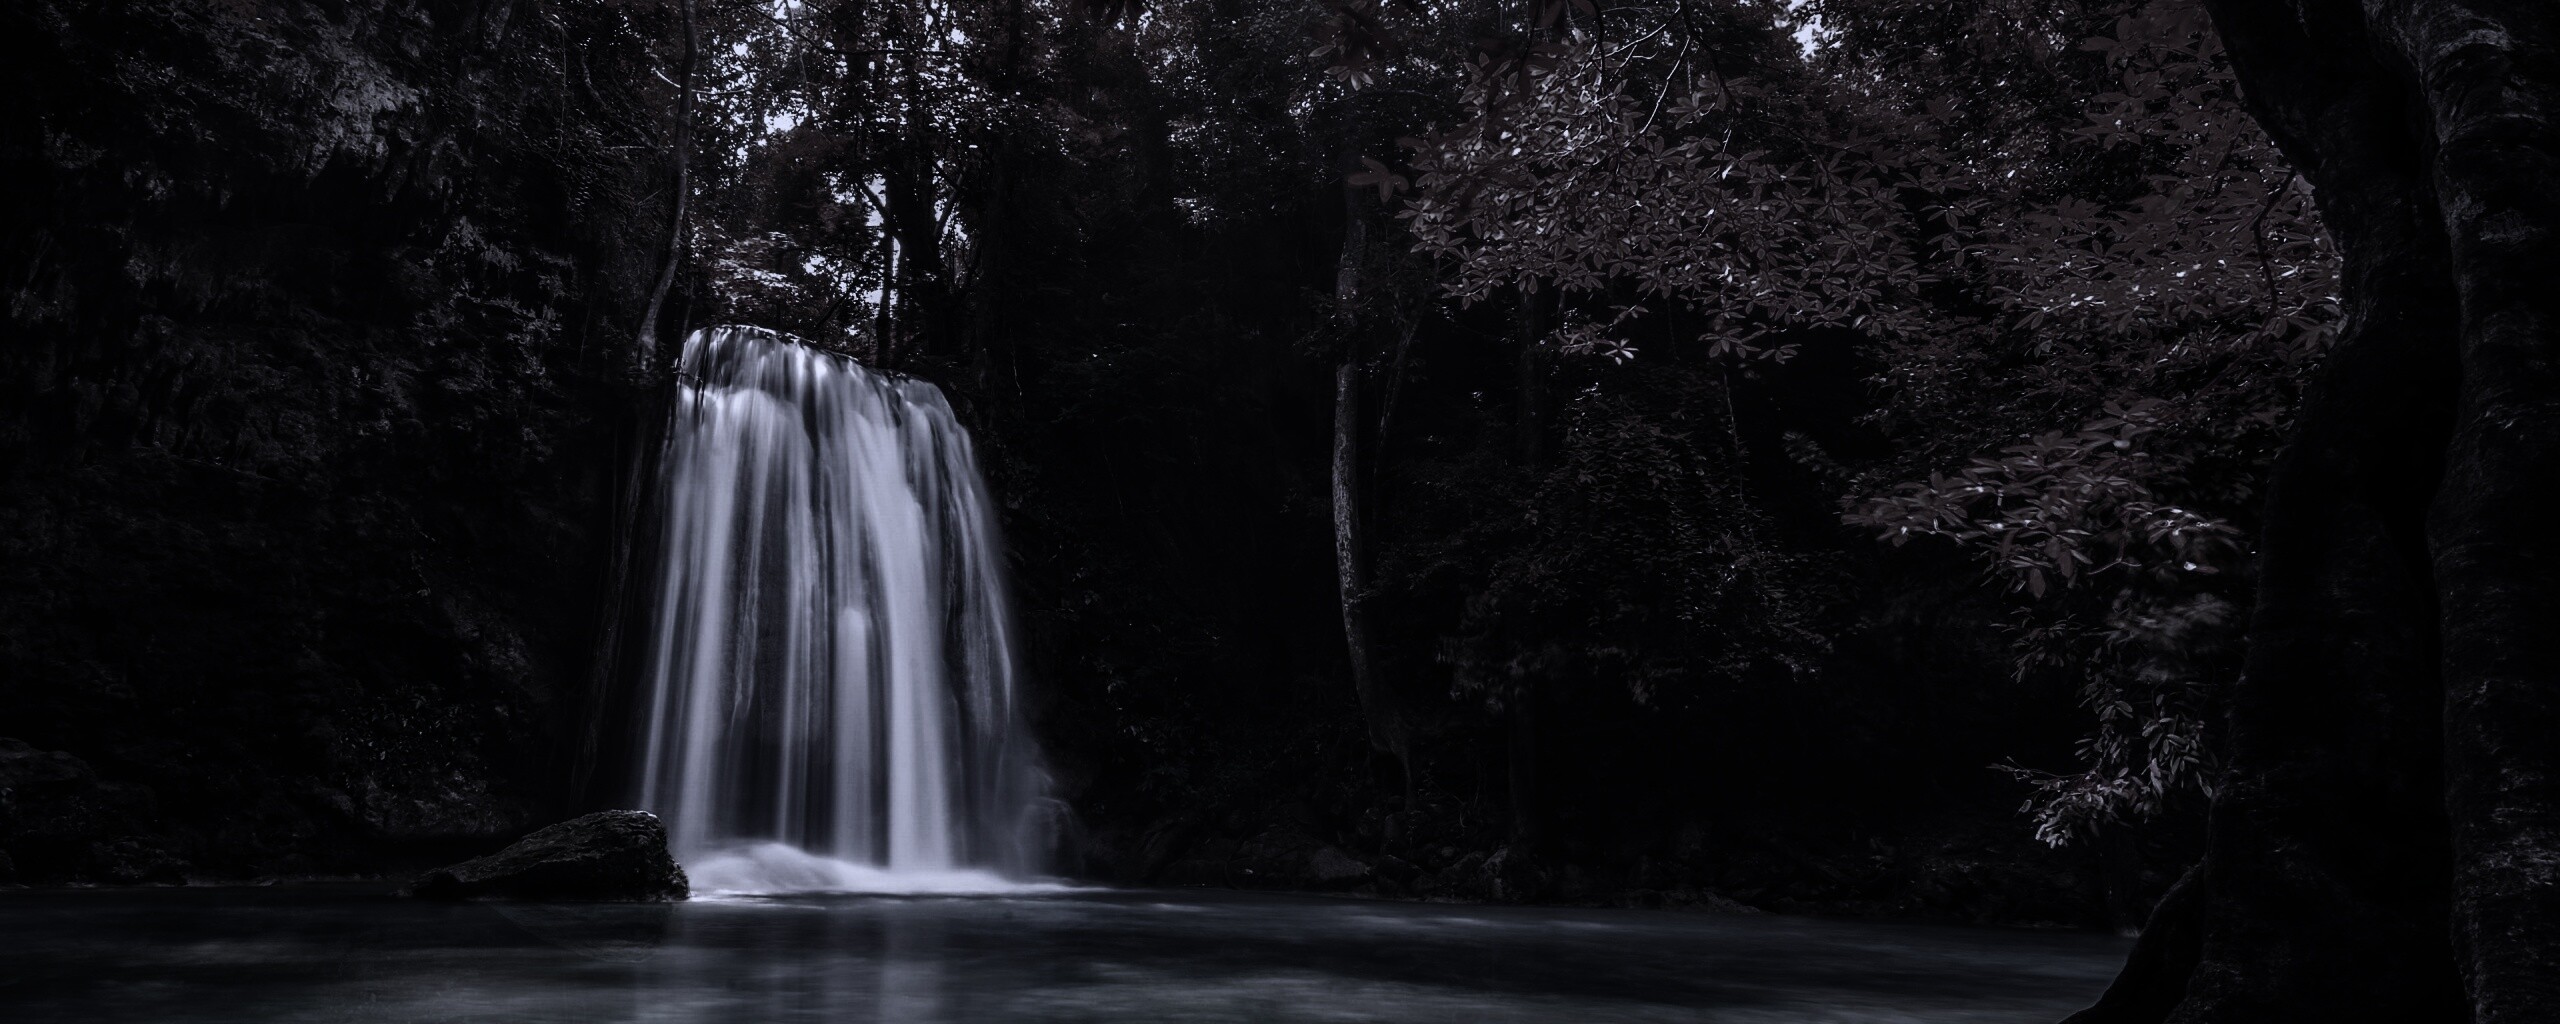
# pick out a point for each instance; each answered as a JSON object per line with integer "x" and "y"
{"x": 322, "y": 954}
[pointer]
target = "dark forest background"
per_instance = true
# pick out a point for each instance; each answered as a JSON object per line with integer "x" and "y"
{"x": 1802, "y": 455}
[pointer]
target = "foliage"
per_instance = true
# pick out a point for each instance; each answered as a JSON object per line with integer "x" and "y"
{"x": 2087, "y": 227}
{"x": 2148, "y": 673}
{"x": 2152, "y": 256}
{"x": 2048, "y": 509}
{"x": 848, "y": 148}
{"x": 308, "y": 405}
{"x": 1641, "y": 563}
{"x": 1605, "y": 193}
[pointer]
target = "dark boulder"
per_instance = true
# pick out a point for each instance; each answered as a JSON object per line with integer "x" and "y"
{"x": 609, "y": 855}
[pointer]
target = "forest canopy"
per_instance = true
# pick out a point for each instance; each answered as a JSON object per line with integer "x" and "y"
{"x": 1620, "y": 296}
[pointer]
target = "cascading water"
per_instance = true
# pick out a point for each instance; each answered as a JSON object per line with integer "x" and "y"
{"x": 830, "y": 699}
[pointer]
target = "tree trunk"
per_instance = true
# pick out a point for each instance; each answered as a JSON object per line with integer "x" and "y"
{"x": 1350, "y": 556}
{"x": 680, "y": 153}
{"x": 915, "y": 219}
{"x": 2489, "y": 81}
{"x": 2382, "y": 846}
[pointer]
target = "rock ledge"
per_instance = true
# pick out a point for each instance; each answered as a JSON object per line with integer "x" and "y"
{"x": 616, "y": 856}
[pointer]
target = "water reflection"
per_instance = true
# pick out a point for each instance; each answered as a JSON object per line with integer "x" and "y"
{"x": 783, "y": 961}
{"x": 190, "y": 956}
{"x": 622, "y": 933}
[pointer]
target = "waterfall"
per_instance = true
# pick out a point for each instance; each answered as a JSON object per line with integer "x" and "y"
{"x": 830, "y": 697}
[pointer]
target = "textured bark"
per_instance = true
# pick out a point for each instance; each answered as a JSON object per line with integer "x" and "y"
{"x": 2382, "y": 847}
{"x": 2325, "y": 852}
{"x": 2489, "y": 77}
{"x": 1348, "y": 553}
{"x": 1350, "y": 557}
{"x": 2325, "y": 894}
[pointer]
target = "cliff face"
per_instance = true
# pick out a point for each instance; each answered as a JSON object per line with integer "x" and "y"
{"x": 317, "y": 327}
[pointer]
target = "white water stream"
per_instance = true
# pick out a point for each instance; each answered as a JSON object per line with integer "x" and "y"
{"x": 831, "y": 683}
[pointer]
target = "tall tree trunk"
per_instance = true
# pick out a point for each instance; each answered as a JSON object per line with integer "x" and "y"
{"x": 680, "y": 153}
{"x": 1350, "y": 555}
{"x": 2382, "y": 846}
{"x": 2489, "y": 79}
{"x": 913, "y": 216}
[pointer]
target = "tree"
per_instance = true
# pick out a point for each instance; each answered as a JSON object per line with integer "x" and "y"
{"x": 319, "y": 322}
{"x": 680, "y": 190}
{"x": 2082, "y": 274}
{"x": 1624, "y": 560}
{"x": 2381, "y": 843}
{"x": 856, "y": 160}
{"x": 2151, "y": 286}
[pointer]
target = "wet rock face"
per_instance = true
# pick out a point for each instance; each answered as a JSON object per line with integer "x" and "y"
{"x": 609, "y": 855}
